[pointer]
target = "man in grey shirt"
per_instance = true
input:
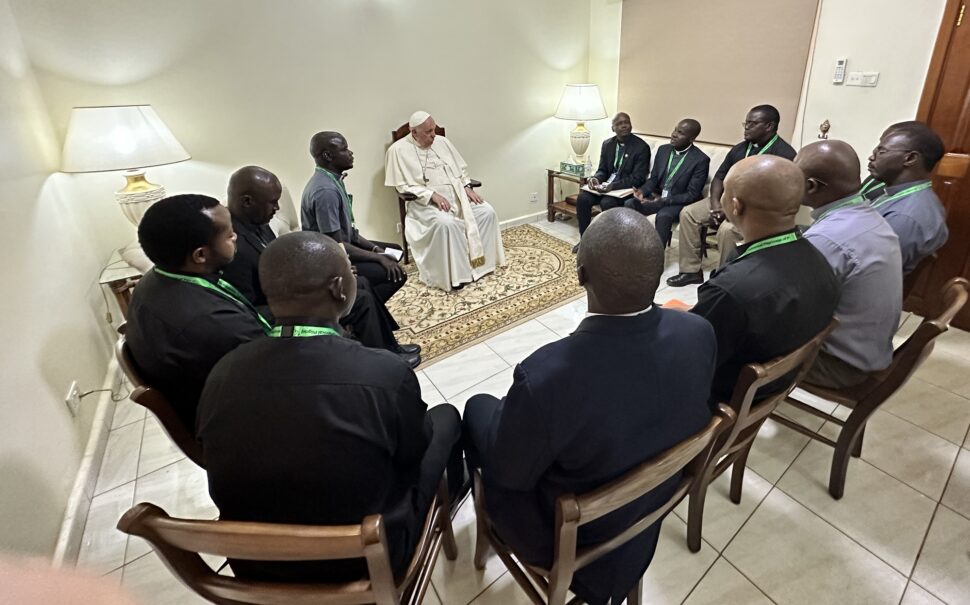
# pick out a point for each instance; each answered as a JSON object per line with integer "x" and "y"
{"x": 904, "y": 159}
{"x": 863, "y": 251}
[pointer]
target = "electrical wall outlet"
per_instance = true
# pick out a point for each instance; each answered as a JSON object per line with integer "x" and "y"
{"x": 398, "y": 227}
{"x": 73, "y": 399}
{"x": 534, "y": 197}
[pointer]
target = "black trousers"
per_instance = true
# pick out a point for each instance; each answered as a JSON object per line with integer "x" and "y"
{"x": 369, "y": 320}
{"x": 377, "y": 275}
{"x": 585, "y": 203}
{"x": 443, "y": 456}
{"x": 666, "y": 216}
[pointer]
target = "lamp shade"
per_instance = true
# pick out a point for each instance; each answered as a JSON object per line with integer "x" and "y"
{"x": 122, "y": 137}
{"x": 581, "y": 102}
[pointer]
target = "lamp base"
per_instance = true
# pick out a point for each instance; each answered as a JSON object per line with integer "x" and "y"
{"x": 137, "y": 195}
{"x": 579, "y": 140}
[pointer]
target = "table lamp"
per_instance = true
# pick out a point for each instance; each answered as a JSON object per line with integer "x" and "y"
{"x": 580, "y": 102}
{"x": 123, "y": 137}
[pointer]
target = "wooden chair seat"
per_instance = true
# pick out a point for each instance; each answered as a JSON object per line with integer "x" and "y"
{"x": 159, "y": 405}
{"x": 550, "y": 586}
{"x": 732, "y": 448}
{"x": 866, "y": 398}
{"x": 178, "y": 543}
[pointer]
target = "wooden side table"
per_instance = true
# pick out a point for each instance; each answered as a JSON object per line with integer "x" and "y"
{"x": 121, "y": 278}
{"x": 567, "y": 205}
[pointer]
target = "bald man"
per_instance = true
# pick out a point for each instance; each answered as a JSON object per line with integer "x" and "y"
{"x": 864, "y": 253}
{"x": 779, "y": 292}
{"x": 678, "y": 178}
{"x": 585, "y": 409}
{"x": 453, "y": 233}
{"x": 253, "y": 199}
{"x": 624, "y": 164}
{"x": 313, "y": 428}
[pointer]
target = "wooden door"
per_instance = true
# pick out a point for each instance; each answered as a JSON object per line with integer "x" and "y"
{"x": 945, "y": 106}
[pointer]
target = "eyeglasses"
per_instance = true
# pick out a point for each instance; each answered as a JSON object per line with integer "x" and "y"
{"x": 750, "y": 123}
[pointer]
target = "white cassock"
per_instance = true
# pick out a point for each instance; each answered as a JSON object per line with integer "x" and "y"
{"x": 448, "y": 249}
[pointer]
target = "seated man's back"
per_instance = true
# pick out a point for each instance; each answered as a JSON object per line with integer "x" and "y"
{"x": 624, "y": 387}
{"x": 779, "y": 292}
{"x": 183, "y": 318}
{"x": 310, "y": 427}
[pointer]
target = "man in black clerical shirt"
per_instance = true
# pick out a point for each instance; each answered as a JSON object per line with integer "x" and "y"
{"x": 760, "y": 138}
{"x": 253, "y": 199}
{"x": 678, "y": 178}
{"x": 310, "y": 427}
{"x": 326, "y": 207}
{"x": 630, "y": 382}
{"x": 183, "y": 317}
{"x": 780, "y": 291}
{"x": 624, "y": 163}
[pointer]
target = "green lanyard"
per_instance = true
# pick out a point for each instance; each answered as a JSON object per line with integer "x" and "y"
{"x": 872, "y": 184}
{"x": 223, "y": 289}
{"x": 343, "y": 192}
{"x": 763, "y": 149}
{"x": 908, "y": 191}
{"x": 303, "y": 331}
{"x": 670, "y": 158}
{"x": 618, "y": 159}
{"x": 771, "y": 242}
{"x": 854, "y": 201}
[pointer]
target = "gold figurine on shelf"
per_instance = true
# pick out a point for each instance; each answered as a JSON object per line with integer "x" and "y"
{"x": 823, "y": 129}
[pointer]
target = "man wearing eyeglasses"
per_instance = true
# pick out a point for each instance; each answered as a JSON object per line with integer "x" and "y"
{"x": 904, "y": 159}
{"x": 760, "y": 138}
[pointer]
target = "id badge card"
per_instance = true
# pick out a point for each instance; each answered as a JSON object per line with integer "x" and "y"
{"x": 610, "y": 180}
{"x": 665, "y": 193}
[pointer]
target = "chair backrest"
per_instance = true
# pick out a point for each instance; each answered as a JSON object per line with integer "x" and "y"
{"x": 573, "y": 511}
{"x": 405, "y": 129}
{"x": 179, "y": 541}
{"x": 153, "y": 399}
{"x": 918, "y": 275}
{"x": 910, "y": 355}
{"x": 751, "y": 414}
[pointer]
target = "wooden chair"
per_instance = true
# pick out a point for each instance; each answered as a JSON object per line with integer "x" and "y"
{"x": 732, "y": 448}
{"x": 572, "y": 512}
{"x": 179, "y": 541}
{"x": 159, "y": 405}
{"x": 402, "y": 198}
{"x": 918, "y": 276}
{"x": 865, "y": 399}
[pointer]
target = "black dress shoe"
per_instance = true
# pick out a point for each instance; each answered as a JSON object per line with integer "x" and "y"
{"x": 410, "y": 349}
{"x": 412, "y": 359}
{"x": 575, "y": 248}
{"x": 686, "y": 279}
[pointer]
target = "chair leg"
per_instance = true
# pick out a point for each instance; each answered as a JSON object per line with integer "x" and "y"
{"x": 634, "y": 597}
{"x": 695, "y": 512}
{"x": 481, "y": 543}
{"x": 850, "y": 440}
{"x": 448, "y": 543}
{"x": 857, "y": 448}
{"x": 737, "y": 473}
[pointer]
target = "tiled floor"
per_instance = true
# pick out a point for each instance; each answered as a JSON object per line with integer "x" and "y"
{"x": 901, "y": 534}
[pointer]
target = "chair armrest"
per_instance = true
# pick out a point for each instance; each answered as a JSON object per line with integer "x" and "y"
{"x": 407, "y": 196}
{"x": 472, "y": 183}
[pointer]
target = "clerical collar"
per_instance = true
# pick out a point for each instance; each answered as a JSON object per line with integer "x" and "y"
{"x": 897, "y": 188}
{"x": 634, "y": 314}
{"x": 309, "y": 321}
{"x": 685, "y": 150}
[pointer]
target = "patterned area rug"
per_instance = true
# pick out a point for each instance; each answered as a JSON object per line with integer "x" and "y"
{"x": 541, "y": 274}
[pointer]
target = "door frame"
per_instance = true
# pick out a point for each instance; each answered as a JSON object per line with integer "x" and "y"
{"x": 935, "y": 70}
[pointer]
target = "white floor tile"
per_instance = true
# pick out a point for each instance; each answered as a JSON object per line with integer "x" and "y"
{"x": 944, "y": 564}
{"x": 774, "y": 449}
{"x": 103, "y": 546}
{"x": 120, "y": 462}
{"x": 675, "y": 570}
{"x": 454, "y": 374}
{"x": 157, "y": 449}
{"x": 957, "y": 494}
{"x": 893, "y": 533}
{"x": 723, "y": 518}
{"x": 563, "y": 321}
{"x": 933, "y": 408}
{"x": 793, "y": 556}
{"x": 149, "y": 581}
{"x": 947, "y": 370}
{"x": 458, "y": 581}
{"x": 504, "y": 591}
{"x": 521, "y": 341}
{"x": 497, "y": 386}
{"x": 429, "y": 393}
{"x": 916, "y": 595}
{"x": 126, "y": 412}
{"x": 724, "y": 585}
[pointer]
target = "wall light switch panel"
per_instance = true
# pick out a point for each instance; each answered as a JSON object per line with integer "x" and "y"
{"x": 854, "y": 78}
{"x": 870, "y": 78}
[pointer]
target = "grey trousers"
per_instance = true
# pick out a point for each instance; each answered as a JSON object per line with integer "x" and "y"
{"x": 691, "y": 218}
{"x": 831, "y": 372}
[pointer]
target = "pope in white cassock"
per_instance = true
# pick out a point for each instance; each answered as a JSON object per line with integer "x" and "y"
{"x": 453, "y": 233}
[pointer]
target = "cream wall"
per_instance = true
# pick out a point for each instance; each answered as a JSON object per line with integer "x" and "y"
{"x": 893, "y": 37}
{"x": 51, "y": 309}
{"x": 241, "y": 83}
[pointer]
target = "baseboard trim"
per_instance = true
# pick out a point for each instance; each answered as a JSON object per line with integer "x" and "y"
{"x": 79, "y": 503}
{"x": 522, "y": 220}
